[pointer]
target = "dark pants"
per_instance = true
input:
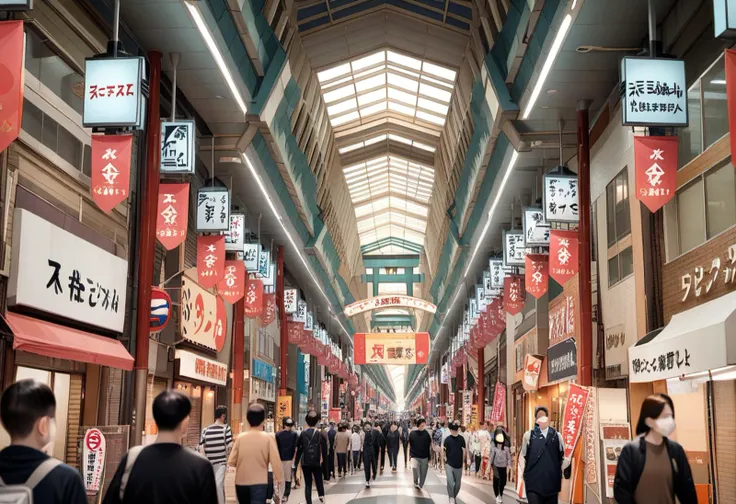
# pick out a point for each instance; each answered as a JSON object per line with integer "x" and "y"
{"x": 405, "y": 443}
{"x": 370, "y": 464}
{"x": 309, "y": 473}
{"x": 533, "y": 498}
{"x": 331, "y": 466}
{"x": 499, "y": 482}
{"x": 393, "y": 454}
{"x": 356, "y": 459}
{"x": 342, "y": 463}
{"x": 251, "y": 494}
{"x": 269, "y": 488}
{"x": 478, "y": 459}
{"x": 383, "y": 456}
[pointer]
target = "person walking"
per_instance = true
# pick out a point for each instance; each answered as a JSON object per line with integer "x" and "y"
{"x": 500, "y": 462}
{"x": 437, "y": 446}
{"x": 653, "y": 469}
{"x": 312, "y": 451}
{"x": 484, "y": 438}
{"x": 379, "y": 447}
{"x": 362, "y": 443}
{"x": 465, "y": 433}
{"x": 392, "y": 446}
{"x": 543, "y": 450}
{"x": 342, "y": 445}
{"x": 405, "y": 427}
{"x": 419, "y": 449}
{"x": 331, "y": 433}
{"x": 454, "y": 452}
{"x": 28, "y": 413}
{"x": 164, "y": 472}
{"x": 475, "y": 451}
{"x": 370, "y": 453}
{"x": 286, "y": 442}
{"x": 356, "y": 446}
{"x": 215, "y": 443}
{"x": 384, "y": 433}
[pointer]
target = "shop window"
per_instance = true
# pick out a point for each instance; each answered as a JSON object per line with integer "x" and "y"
{"x": 618, "y": 219}
{"x": 691, "y": 216}
{"x": 691, "y": 138}
{"x": 720, "y": 190}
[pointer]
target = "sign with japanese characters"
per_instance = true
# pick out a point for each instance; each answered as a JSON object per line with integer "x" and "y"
{"x": 269, "y": 308}
{"x": 654, "y": 92}
{"x": 572, "y": 418}
{"x": 203, "y": 319}
{"x": 325, "y": 405}
{"x": 391, "y": 348}
{"x": 536, "y": 228}
{"x": 197, "y": 367}
{"x": 253, "y": 298}
{"x": 388, "y": 301}
{"x": 513, "y": 294}
{"x": 514, "y": 250}
{"x": 616, "y": 346}
{"x": 563, "y": 255}
{"x": 561, "y": 198}
{"x": 655, "y": 158}
{"x": 173, "y": 214}
{"x": 232, "y": 285}
{"x": 251, "y": 252}
{"x": 110, "y": 170}
{"x": 57, "y": 272}
{"x": 498, "y": 413}
{"x": 537, "y": 274}
{"x": 112, "y": 92}
{"x": 301, "y": 312}
{"x": 562, "y": 316}
{"x": 532, "y": 368}
{"x": 497, "y": 274}
{"x": 14, "y": 5}
{"x": 614, "y": 437}
{"x": 264, "y": 263}
{"x": 291, "y": 297}
{"x": 467, "y": 406}
{"x": 94, "y": 450}
{"x": 12, "y": 40}
{"x": 177, "y": 146}
{"x": 210, "y": 260}
{"x": 213, "y": 209}
{"x": 235, "y": 236}
{"x": 562, "y": 361}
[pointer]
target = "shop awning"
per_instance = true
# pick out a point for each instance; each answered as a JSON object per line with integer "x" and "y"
{"x": 53, "y": 340}
{"x": 699, "y": 339}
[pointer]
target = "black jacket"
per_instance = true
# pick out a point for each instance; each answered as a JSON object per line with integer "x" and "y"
{"x": 392, "y": 440}
{"x": 63, "y": 485}
{"x": 305, "y": 439}
{"x": 631, "y": 465}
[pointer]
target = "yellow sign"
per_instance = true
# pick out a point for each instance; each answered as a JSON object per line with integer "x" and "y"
{"x": 474, "y": 416}
{"x": 283, "y": 410}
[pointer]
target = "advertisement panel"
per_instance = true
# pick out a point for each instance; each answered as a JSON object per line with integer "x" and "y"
{"x": 391, "y": 348}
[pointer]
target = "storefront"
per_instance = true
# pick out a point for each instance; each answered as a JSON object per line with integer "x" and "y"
{"x": 302, "y": 386}
{"x": 263, "y": 385}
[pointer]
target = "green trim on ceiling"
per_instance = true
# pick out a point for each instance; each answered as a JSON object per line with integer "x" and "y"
{"x": 391, "y": 240}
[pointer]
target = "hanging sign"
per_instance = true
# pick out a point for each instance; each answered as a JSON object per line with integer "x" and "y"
{"x": 12, "y": 40}
{"x": 160, "y": 310}
{"x": 264, "y": 261}
{"x": 290, "y": 301}
{"x": 498, "y": 274}
{"x": 309, "y": 324}
{"x": 301, "y": 312}
{"x": 487, "y": 290}
{"x": 537, "y": 274}
{"x": 94, "y": 450}
{"x": 730, "y": 61}
{"x": 563, "y": 255}
{"x": 213, "y": 209}
{"x": 177, "y": 147}
{"x": 391, "y": 348}
{"x": 498, "y": 414}
{"x": 283, "y": 409}
{"x": 572, "y": 418}
{"x": 269, "y": 308}
{"x": 232, "y": 285}
{"x": 614, "y": 437}
{"x": 235, "y": 236}
{"x": 655, "y": 159}
{"x": 200, "y": 368}
{"x": 112, "y": 92}
{"x": 111, "y": 155}
{"x": 467, "y": 407}
{"x": 562, "y": 313}
{"x": 513, "y": 248}
{"x": 562, "y": 361}
{"x": 253, "y": 298}
{"x": 561, "y": 198}
{"x": 270, "y": 280}
{"x": 389, "y": 301}
{"x": 16, "y": 5}
{"x": 210, "y": 260}
{"x": 654, "y": 92}
{"x": 250, "y": 256}
{"x": 532, "y": 368}
{"x": 536, "y": 228}
{"x": 202, "y": 318}
{"x": 173, "y": 211}
{"x": 513, "y": 294}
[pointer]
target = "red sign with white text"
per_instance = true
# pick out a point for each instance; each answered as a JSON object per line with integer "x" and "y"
{"x": 537, "y": 274}
{"x": 655, "y": 159}
{"x": 572, "y": 419}
{"x": 253, "y": 298}
{"x": 730, "y": 94}
{"x": 210, "y": 260}
{"x": 563, "y": 255}
{"x": 232, "y": 285}
{"x": 173, "y": 214}
{"x": 11, "y": 81}
{"x": 498, "y": 414}
{"x": 111, "y": 156}
{"x": 532, "y": 368}
{"x": 269, "y": 309}
{"x": 220, "y": 330}
{"x": 513, "y": 294}
{"x": 391, "y": 348}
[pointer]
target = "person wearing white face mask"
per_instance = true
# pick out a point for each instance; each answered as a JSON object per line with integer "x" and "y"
{"x": 653, "y": 469}
{"x": 543, "y": 451}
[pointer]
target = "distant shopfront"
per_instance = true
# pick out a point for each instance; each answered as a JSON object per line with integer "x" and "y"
{"x": 263, "y": 385}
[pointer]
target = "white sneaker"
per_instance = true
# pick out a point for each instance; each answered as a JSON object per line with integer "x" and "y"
{"x": 452, "y": 501}
{"x": 322, "y": 499}
{"x": 367, "y": 484}
{"x": 499, "y": 499}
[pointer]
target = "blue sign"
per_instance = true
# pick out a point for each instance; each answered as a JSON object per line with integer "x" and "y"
{"x": 263, "y": 371}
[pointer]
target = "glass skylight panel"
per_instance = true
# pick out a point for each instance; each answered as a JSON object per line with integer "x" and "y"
{"x": 424, "y": 147}
{"x": 367, "y": 61}
{"x": 432, "y": 106}
{"x": 402, "y": 109}
{"x": 441, "y": 84}
{"x": 372, "y": 96}
{"x": 402, "y": 60}
{"x": 334, "y": 72}
{"x": 371, "y": 82}
{"x": 349, "y": 148}
{"x": 341, "y": 107}
{"x": 439, "y": 71}
{"x": 339, "y": 93}
{"x": 398, "y": 138}
{"x": 408, "y": 98}
{"x": 402, "y": 82}
{"x": 375, "y": 140}
{"x": 430, "y": 118}
{"x": 434, "y": 92}
{"x": 373, "y": 109}
{"x": 336, "y": 121}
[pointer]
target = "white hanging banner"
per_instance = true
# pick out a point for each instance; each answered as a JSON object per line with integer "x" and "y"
{"x": 561, "y": 198}
{"x": 536, "y": 228}
{"x": 290, "y": 301}
{"x": 251, "y": 252}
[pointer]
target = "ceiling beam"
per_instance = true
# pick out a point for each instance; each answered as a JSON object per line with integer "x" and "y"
{"x": 388, "y": 147}
{"x": 391, "y": 261}
{"x": 398, "y": 278}
{"x": 389, "y": 241}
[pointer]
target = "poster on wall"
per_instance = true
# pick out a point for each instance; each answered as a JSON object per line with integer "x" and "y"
{"x": 614, "y": 436}
{"x": 94, "y": 450}
{"x": 532, "y": 368}
{"x": 562, "y": 361}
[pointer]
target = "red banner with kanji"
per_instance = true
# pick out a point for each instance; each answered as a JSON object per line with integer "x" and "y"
{"x": 563, "y": 255}
{"x": 232, "y": 285}
{"x": 269, "y": 309}
{"x": 731, "y": 96}
{"x": 11, "y": 81}
{"x": 210, "y": 260}
{"x": 173, "y": 214}
{"x": 537, "y": 274}
{"x": 655, "y": 160}
{"x": 111, "y": 157}
{"x": 498, "y": 414}
{"x": 253, "y": 298}
{"x": 572, "y": 419}
{"x": 513, "y": 294}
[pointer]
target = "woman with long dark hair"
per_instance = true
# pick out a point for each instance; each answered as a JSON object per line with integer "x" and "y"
{"x": 500, "y": 460}
{"x": 653, "y": 469}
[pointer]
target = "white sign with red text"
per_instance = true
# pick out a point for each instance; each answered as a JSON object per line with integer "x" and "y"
{"x": 112, "y": 92}
{"x": 94, "y": 449}
{"x": 201, "y": 368}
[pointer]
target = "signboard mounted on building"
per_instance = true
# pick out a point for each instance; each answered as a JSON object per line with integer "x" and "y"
{"x": 561, "y": 197}
{"x": 514, "y": 250}
{"x": 562, "y": 361}
{"x": 202, "y": 317}
{"x": 200, "y": 368}
{"x": 536, "y": 228}
{"x": 655, "y": 159}
{"x": 113, "y": 93}
{"x": 12, "y": 40}
{"x": 177, "y": 147}
{"x": 235, "y": 236}
{"x": 388, "y": 301}
{"x": 654, "y": 92}
{"x": 213, "y": 209}
{"x": 391, "y": 348}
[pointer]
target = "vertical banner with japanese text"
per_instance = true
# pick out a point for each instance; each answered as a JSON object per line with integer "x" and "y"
{"x": 655, "y": 160}
{"x": 513, "y": 294}
{"x": 210, "y": 260}
{"x": 283, "y": 410}
{"x": 563, "y": 255}
{"x": 537, "y": 274}
{"x": 232, "y": 285}
{"x": 11, "y": 81}
{"x": 572, "y": 418}
{"x": 94, "y": 450}
{"x": 253, "y": 297}
{"x": 269, "y": 309}
{"x": 326, "y": 389}
{"x": 467, "y": 407}
{"x": 173, "y": 214}
{"x": 111, "y": 157}
{"x": 498, "y": 413}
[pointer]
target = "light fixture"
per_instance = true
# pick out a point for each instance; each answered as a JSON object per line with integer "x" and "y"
{"x": 718, "y": 82}
{"x": 574, "y": 4}
{"x": 215, "y": 52}
{"x": 551, "y": 91}
{"x": 553, "y": 52}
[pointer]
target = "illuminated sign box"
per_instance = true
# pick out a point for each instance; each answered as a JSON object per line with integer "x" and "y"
{"x": 113, "y": 95}
{"x": 724, "y": 18}
{"x": 654, "y": 92}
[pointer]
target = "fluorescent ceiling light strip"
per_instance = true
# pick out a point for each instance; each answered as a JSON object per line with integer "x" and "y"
{"x": 553, "y": 52}
{"x": 215, "y": 52}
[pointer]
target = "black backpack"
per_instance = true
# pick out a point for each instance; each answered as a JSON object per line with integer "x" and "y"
{"x": 313, "y": 451}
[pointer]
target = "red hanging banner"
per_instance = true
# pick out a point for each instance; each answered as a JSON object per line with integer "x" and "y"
{"x": 537, "y": 274}
{"x": 498, "y": 413}
{"x": 111, "y": 156}
{"x": 655, "y": 159}
{"x": 253, "y": 297}
{"x": 210, "y": 260}
{"x": 269, "y": 309}
{"x": 730, "y": 94}
{"x": 232, "y": 286}
{"x": 220, "y": 331}
{"x": 572, "y": 418}
{"x": 513, "y": 294}
{"x": 11, "y": 81}
{"x": 563, "y": 255}
{"x": 173, "y": 214}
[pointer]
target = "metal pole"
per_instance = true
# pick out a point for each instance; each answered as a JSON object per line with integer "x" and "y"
{"x": 284, "y": 334}
{"x": 147, "y": 244}
{"x": 584, "y": 277}
{"x": 652, "y": 29}
{"x": 175, "y": 57}
{"x": 116, "y": 28}
{"x": 238, "y": 364}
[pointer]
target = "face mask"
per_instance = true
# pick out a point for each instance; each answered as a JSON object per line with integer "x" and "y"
{"x": 499, "y": 438}
{"x": 543, "y": 422}
{"x": 665, "y": 426}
